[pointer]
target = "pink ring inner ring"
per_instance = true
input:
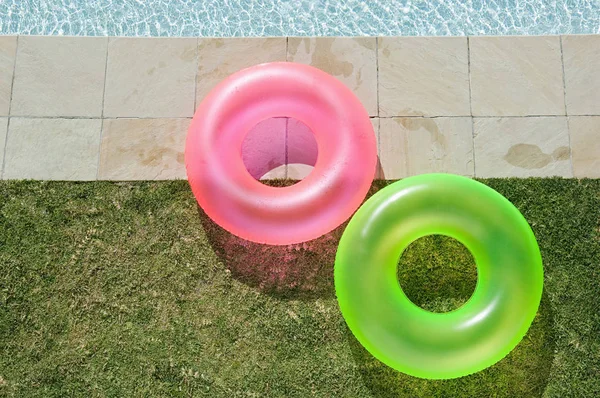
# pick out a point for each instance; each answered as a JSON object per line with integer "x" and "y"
{"x": 276, "y": 142}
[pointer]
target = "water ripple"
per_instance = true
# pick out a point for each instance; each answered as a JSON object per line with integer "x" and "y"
{"x": 226, "y": 18}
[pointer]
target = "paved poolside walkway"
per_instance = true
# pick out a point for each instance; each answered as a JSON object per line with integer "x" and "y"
{"x": 86, "y": 108}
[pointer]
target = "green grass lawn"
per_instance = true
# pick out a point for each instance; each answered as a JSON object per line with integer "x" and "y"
{"x": 128, "y": 290}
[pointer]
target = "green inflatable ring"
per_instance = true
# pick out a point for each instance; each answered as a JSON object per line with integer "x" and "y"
{"x": 438, "y": 345}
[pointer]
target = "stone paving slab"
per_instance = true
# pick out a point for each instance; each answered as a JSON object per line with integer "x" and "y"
{"x": 522, "y": 147}
{"x": 143, "y": 149}
{"x": 411, "y": 146}
{"x": 59, "y": 77}
{"x": 52, "y": 149}
{"x": 516, "y": 76}
{"x": 423, "y": 76}
{"x": 150, "y": 77}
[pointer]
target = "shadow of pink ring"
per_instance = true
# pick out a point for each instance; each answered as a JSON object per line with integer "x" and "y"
{"x": 328, "y": 196}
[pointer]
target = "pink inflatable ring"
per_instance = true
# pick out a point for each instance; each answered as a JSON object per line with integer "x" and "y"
{"x": 327, "y": 197}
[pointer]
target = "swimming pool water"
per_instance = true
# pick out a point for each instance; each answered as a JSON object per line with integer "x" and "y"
{"x": 226, "y": 18}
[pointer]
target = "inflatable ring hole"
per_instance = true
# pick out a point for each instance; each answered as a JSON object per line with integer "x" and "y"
{"x": 280, "y": 148}
{"x": 437, "y": 273}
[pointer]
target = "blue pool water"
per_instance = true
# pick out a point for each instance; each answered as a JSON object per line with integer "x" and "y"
{"x": 224, "y": 18}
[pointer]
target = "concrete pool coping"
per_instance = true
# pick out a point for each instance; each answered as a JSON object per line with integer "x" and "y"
{"x": 118, "y": 108}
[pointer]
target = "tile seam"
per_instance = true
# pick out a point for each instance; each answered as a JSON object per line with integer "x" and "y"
{"x": 99, "y": 117}
{"x": 570, "y": 148}
{"x": 285, "y": 148}
{"x": 471, "y": 107}
{"x": 285, "y": 144}
{"x": 474, "y": 116}
{"x": 564, "y": 81}
{"x": 379, "y": 117}
{"x": 102, "y": 110}
{"x": 12, "y": 82}
{"x": 12, "y": 87}
{"x": 377, "y": 70}
{"x": 3, "y": 165}
{"x": 196, "y": 74}
{"x": 379, "y": 172}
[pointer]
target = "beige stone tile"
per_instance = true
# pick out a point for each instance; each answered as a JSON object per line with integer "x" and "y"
{"x": 143, "y": 149}
{"x": 522, "y": 147}
{"x": 150, "y": 77}
{"x": 278, "y": 172}
{"x": 351, "y": 60}
{"x": 423, "y": 76}
{"x": 59, "y": 76}
{"x": 52, "y": 149}
{"x": 410, "y": 146}
{"x": 581, "y": 55}
{"x": 585, "y": 145}
{"x": 298, "y": 171}
{"x": 3, "y": 130}
{"x": 219, "y": 58}
{"x": 8, "y": 51}
{"x": 516, "y": 76}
